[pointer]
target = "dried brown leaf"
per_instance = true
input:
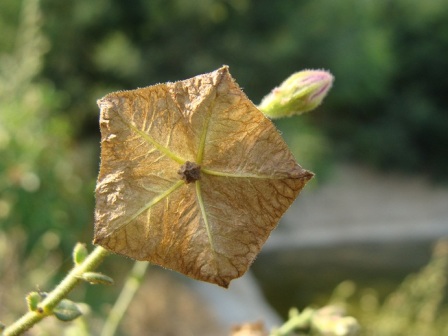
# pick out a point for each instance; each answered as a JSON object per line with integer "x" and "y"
{"x": 193, "y": 177}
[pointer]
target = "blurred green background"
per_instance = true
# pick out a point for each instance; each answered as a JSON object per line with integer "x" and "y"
{"x": 388, "y": 107}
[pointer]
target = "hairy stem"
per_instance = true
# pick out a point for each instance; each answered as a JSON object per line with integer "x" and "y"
{"x": 46, "y": 307}
{"x": 130, "y": 287}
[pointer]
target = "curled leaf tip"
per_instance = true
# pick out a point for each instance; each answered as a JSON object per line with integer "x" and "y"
{"x": 96, "y": 278}
{"x": 303, "y": 91}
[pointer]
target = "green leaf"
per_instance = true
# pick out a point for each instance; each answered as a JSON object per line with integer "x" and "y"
{"x": 66, "y": 310}
{"x": 33, "y": 299}
{"x": 95, "y": 278}
{"x": 80, "y": 253}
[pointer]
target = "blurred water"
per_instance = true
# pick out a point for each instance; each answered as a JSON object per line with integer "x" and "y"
{"x": 306, "y": 276}
{"x": 358, "y": 204}
{"x": 361, "y": 225}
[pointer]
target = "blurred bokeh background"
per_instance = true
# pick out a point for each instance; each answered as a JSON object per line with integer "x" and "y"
{"x": 379, "y": 143}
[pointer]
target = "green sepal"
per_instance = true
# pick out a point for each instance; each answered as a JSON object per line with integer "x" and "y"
{"x": 66, "y": 311}
{"x": 95, "y": 278}
{"x": 293, "y": 312}
{"x": 80, "y": 253}
{"x": 33, "y": 299}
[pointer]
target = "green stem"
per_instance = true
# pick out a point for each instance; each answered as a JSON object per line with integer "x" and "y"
{"x": 131, "y": 286}
{"x": 46, "y": 307}
{"x": 295, "y": 322}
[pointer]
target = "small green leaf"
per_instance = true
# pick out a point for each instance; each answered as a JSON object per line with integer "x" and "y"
{"x": 97, "y": 278}
{"x": 33, "y": 299}
{"x": 80, "y": 253}
{"x": 293, "y": 312}
{"x": 66, "y": 310}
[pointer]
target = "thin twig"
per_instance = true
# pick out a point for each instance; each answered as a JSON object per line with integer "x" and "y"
{"x": 46, "y": 307}
{"x": 130, "y": 287}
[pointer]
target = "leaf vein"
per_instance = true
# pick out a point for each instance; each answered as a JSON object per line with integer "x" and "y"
{"x": 157, "y": 145}
{"x": 152, "y": 202}
{"x": 204, "y": 215}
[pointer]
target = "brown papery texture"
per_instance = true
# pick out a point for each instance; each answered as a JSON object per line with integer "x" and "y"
{"x": 241, "y": 177}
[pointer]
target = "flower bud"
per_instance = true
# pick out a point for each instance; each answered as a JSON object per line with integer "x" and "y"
{"x": 301, "y": 92}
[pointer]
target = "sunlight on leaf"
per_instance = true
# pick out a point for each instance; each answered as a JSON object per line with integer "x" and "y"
{"x": 193, "y": 177}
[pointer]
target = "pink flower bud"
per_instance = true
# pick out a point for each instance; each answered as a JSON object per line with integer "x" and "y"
{"x": 301, "y": 92}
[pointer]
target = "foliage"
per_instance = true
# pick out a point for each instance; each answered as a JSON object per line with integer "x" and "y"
{"x": 388, "y": 105}
{"x": 41, "y": 187}
{"x": 394, "y": 117}
{"x": 416, "y": 307}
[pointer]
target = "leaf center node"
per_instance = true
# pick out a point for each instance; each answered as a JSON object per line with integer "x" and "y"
{"x": 190, "y": 172}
